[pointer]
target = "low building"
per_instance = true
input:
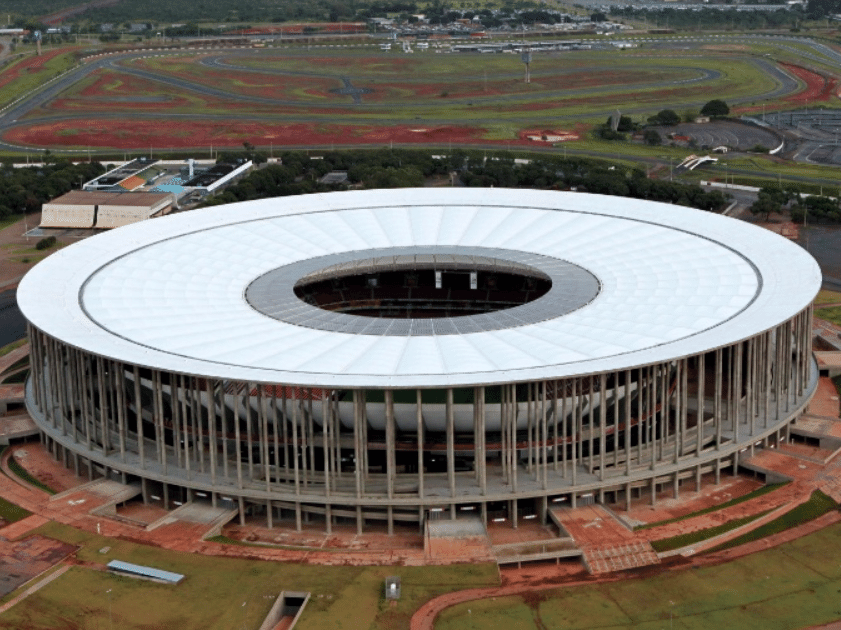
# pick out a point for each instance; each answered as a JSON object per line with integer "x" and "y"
{"x": 98, "y": 209}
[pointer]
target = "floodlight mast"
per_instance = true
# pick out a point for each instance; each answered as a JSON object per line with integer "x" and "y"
{"x": 526, "y": 58}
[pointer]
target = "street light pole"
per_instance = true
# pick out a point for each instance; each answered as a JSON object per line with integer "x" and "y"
{"x": 110, "y": 618}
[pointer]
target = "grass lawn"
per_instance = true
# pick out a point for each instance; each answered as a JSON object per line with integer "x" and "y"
{"x": 832, "y": 314}
{"x": 684, "y": 540}
{"x": 817, "y": 505}
{"x": 34, "y": 78}
{"x": 791, "y": 586}
{"x": 828, "y": 297}
{"x": 226, "y": 593}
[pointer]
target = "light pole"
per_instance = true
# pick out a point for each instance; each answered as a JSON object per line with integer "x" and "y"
{"x": 110, "y": 619}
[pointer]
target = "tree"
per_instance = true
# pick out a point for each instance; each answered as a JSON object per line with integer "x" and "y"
{"x": 651, "y": 137}
{"x": 668, "y": 117}
{"x": 715, "y": 108}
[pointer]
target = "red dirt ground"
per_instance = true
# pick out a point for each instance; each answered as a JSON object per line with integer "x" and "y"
{"x": 29, "y": 65}
{"x": 479, "y": 88}
{"x": 545, "y": 135}
{"x": 298, "y": 29}
{"x": 176, "y": 134}
{"x": 96, "y": 96}
{"x": 247, "y": 83}
{"x": 818, "y": 87}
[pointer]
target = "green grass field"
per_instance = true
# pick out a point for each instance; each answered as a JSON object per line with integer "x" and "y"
{"x": 784, "y": 588}
{"x": 832, "y": 314}
{"x": 225, "y": 593}
{"x": 33, "y": 78}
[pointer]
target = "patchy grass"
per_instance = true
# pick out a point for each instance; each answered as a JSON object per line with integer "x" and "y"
{"x": 828, "y": 297}
{"x": 831, "y": 314}
{"x": 792, "y": 586}
{"x": 10, "y": 220}
{"x": 817, "y": 505}
{"x": 12, "y": 346}
{"x": 224, "y": 593}
{"x": 32, "y": 78}
{"x": 224, "y": 540}
{"x": 21, "y": 472}
{"x": 714, "y": 508}
{"x": 684, "y": 540}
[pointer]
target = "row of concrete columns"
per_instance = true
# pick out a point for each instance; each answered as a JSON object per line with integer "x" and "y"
{"x": 578, "y": 432}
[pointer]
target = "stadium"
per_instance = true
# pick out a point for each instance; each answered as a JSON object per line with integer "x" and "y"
{"x": 388, "y": 357}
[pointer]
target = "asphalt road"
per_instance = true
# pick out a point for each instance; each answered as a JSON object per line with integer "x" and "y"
{"x": 12, "y": 321}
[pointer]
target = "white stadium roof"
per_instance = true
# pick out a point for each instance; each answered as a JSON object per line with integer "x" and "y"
{"x": 170, "y": 293}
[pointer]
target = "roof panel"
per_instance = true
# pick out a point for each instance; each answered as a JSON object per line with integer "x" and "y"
{"x": 169, "y": 293}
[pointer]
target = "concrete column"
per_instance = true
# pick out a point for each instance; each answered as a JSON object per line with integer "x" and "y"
{"x": 249, "y": 434}
{"x": 420, "y": 435}
{"x": 120, "y": 390}
{"x": 736, "y": 393}
{"x": 237, "y": 441}
{"x": 304, "y": 466}
{"x": 561, "y": 391}
{"x": 159, "y": 419}
{"x": 576, "y": 435}
{"x": 451, "y": 455}
{"x": 627, "y": 431}
{"x": 310, "y": 418}
{"x": 358, "y": 446}
{"x": 264, "y": 444}
{"x": 544, "y": 444}
{"x": 653, "y": 441}
{"x": 213, "y": 437}
{"x": 296, "y": 450}
{"x": 326, "y": 424}
{"x": 276, "y": 429}
{"x": 717, "y": 398}
{"x": 103, "y": 402}
{"x": 529, "y": 428}
{"x": 700, "y": 368}
{"x": 512, "y": 425}
{"x": 138, "y": 410}
{"x": 591, "y": 396}
{"x": 602, "y": 423}
{"x": 389, "y": 443}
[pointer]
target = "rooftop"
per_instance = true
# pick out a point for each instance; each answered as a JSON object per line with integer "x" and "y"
{"x": 171, "y": 293}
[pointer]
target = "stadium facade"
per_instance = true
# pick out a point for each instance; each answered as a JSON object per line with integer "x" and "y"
{"x": 387, "y": 356}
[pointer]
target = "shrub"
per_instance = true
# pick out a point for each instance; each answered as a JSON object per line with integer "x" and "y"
{"x": 45, "y": 243}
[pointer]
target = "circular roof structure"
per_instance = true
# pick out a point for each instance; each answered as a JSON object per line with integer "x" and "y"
{"x": 208, "y": 292}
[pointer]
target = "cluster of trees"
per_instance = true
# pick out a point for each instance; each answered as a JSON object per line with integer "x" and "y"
{"x": 299, "y": 174}
{"x": 623, "y": 126}
{"x": 788, "y": 200}
{"x": 706, "y": 18}
{"x": 817, "y": 9}
{"x": 715, "y": 108}
{"x": 234, "y": 11}
{"x": 587, "y": 175}
{"x": 25, "y": 189}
